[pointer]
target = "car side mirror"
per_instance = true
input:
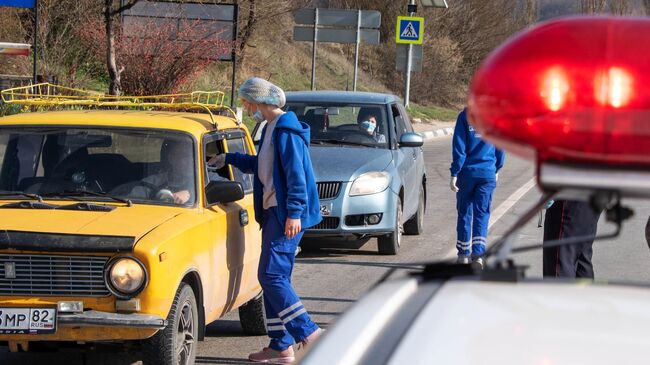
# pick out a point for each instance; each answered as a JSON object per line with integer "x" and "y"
{"x": 411, "y": 140}
{"x": 223, "y": 192}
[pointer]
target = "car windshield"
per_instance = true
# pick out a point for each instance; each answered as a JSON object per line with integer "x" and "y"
{"x": 344, "y": 124}
{"x": 145, "y": 166}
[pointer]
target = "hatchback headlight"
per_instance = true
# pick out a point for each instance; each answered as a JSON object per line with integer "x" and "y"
{"x": 126, "y": 277}
{"x": 370, "y": 183}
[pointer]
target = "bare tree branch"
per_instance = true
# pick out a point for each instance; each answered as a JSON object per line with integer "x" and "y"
{"x": 125, "y": 7}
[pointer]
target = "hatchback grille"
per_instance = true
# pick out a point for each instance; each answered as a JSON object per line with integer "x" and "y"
{"x": 328, "y": 223}
{"x": 328, "y": 190}
{"x": 52, "y": 275}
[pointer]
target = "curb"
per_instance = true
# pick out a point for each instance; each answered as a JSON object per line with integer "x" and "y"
{"x": 442, "y": 132}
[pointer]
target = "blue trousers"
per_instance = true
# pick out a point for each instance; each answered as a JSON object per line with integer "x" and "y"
{"x": 473, "y": 204}
{"x": 287, "y": 321}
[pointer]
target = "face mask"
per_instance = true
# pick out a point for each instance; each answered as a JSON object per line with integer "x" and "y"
{"x": 258, "y": 117}
{"x": 368, "y": 126}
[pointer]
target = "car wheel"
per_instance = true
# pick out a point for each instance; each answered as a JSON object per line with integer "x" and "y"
{"x": 251, "y": 317}
{"x": 389, "y": 244}
{"x": 415, "y": 225}
{"x": 176, "y": 343}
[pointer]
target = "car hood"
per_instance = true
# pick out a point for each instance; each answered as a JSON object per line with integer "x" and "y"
{"x": 529, "y": 323}
{"x": 135, "y": 221}
{"x": 346, "y": 163}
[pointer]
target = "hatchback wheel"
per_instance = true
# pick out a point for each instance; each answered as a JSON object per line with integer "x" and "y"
{"x": 251, "y": 317}
{"x": 176, "y": 343}
{"x": 389, "y": 244}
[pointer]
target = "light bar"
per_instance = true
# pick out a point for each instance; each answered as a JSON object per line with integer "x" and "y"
{"x": 572, "y": 91}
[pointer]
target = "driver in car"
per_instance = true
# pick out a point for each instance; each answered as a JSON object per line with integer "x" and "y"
{"x": 174, "y": 176}
{"x": 368, "y": 124}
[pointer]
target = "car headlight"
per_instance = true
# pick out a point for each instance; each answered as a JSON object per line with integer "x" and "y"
{"x": 126, "y": 277}
{"x": 370, "y": 183}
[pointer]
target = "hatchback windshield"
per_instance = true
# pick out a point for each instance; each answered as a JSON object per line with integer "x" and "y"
{"x": 147, "y": 166}
{"x": 349, "y": 124}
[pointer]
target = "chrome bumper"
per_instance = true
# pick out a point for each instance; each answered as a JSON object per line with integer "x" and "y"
{"x": 105, "y": 319}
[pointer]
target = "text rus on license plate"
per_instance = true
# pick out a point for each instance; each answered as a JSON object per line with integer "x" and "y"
{"x": 27, "y": 320}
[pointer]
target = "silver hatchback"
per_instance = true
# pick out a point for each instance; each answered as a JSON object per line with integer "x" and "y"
{"x": 368, "y": 164}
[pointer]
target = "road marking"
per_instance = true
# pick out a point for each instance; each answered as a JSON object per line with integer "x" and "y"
{"x": 503, "y": 208}
{"x": 510, "y": 201}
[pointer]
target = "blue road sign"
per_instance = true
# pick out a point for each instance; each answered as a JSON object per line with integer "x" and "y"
{"x": 410, "y": 29}
{"x": 18, "y": 3}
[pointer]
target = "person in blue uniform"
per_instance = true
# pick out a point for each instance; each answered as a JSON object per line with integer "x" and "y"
{"x": 474, "y": 171}
{"x": 286, "y": 203}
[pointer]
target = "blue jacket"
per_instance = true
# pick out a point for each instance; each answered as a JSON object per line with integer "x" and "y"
{"x": 472, "y": 156}
{"x": 293, "y": 175}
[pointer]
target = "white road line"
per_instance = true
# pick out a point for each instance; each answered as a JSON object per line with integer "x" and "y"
{"x": 510, "y": 201}
{"x": 503, "y": 208}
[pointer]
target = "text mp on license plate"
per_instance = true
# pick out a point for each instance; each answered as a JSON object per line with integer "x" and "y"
{"x": 27, "y": 320}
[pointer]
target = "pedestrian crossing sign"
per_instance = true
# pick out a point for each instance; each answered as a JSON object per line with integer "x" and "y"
{"x": 410, "y": 29}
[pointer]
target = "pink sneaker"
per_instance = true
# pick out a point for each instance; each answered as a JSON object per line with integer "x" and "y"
{"x": 269, "y": 355}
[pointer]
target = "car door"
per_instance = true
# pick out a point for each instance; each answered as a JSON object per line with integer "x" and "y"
{"x": 235, "y": 258}
{"x": 407, "y": 161}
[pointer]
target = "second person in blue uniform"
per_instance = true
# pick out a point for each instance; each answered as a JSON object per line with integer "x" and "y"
{"x": 474, "y": 171}
{"x": 286, "y": 202}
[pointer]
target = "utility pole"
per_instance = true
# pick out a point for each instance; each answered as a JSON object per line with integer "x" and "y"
{"x": 407, "y": 84}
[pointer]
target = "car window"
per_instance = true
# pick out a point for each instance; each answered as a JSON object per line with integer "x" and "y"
{"x": 348, "y": 124}
{"x": 212, "y": 146}
{"x": 237, "y": 143}
{"x": 401, "y": 125}
{"x": 128, "y": 163}
{"x": 4, "y": 139}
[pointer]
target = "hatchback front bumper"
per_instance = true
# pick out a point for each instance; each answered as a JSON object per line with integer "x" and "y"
{"x": 106, "y": 319}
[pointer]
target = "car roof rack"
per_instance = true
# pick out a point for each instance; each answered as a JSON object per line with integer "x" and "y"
{"x": 53, "y": 96}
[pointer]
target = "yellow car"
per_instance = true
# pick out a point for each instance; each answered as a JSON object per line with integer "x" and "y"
{"x": 114, "y": 227}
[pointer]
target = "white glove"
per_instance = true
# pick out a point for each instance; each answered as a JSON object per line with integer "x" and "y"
{"x": 218, "y": 161}
{"x": 452, "y": 184}
{"x": 496, "y": 177}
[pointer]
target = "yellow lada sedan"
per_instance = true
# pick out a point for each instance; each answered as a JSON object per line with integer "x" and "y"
{"x": 113, "y": 227}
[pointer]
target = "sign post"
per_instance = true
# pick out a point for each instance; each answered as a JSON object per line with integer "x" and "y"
{"x": 410, "y": 31}
{"x": 336, "y": 26}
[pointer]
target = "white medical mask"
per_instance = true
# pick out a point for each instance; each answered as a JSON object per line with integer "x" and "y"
{"x": 368, "y": 126}
{"x": 258, "y": 117}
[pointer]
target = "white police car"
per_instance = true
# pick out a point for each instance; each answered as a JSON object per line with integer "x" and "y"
{"x": 571, "y": 95}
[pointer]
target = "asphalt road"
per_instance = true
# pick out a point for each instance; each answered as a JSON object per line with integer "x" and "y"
{"x": 329, "y": 280}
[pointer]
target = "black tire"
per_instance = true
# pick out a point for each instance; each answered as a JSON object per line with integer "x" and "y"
{"x": 415, "y": 225}
{"x": 390, "y": 243}
{"x": 251, "y": 317}
{"x": 176, "y": 344}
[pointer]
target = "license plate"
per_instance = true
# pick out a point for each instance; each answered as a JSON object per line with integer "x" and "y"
{"x": 325, "y": 209}
{"x": 28, "y": 321}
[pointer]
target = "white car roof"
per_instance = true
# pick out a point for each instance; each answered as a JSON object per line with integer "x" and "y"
{"x": 468, "y": 321}
{"x": 474, "y": 322}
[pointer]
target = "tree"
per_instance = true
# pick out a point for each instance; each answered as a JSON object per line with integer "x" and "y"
{"x": 156, "y": 57}
{"x": 256, "y": 12}
{"x": 619, "y": 7}
{"x": 110, "y": 11}
{"x": 592, "y": 6}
